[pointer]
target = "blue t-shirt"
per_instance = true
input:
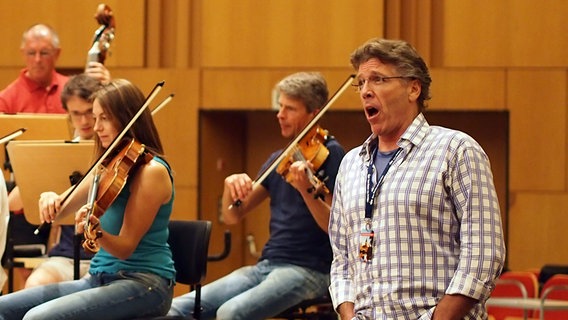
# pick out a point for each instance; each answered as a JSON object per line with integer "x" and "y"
{"x": 153, "y": 252}
{"x": 295, "y": 236}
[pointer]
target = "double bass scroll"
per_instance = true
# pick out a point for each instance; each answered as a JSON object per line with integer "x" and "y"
{"x": 103, "y": 36}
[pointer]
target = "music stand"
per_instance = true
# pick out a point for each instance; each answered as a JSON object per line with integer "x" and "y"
{"x": 38, "y": 127}
{"x": 46, "y": 165}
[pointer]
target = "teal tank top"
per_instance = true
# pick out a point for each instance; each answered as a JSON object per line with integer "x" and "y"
{"x": 153, "y": 253}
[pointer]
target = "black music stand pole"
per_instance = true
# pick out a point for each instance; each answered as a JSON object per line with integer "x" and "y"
{"x": 77, "y": 237}
{"x": 76, "y": 255}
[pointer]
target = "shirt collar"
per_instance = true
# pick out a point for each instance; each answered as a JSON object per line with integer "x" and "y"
{"x": 34, "y": 86}
{"x": 414, "y": 135}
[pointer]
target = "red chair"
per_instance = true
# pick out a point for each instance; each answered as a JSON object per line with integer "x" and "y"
{"x": 555, "y": 288}
{"x": 513, "y": 284}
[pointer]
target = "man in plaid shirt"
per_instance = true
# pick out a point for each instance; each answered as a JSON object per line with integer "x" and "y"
{"x": 420, "y": 197}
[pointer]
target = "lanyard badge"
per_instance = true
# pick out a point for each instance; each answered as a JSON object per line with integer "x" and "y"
{"x": 367, "y": 235}
{"x": 366, "y": 242}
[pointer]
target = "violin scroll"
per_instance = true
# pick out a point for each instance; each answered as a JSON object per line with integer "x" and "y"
{"x": 91, "y": 236}
{"x": 318, "y": 188}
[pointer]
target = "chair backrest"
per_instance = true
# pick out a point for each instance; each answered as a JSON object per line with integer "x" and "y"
{"x": 513, "y": 284}
{"x": 549, "y": 270}
{"x": 556, "y": 287}
{"x": 527, "y": 278}
{"x": 189, "y": 242}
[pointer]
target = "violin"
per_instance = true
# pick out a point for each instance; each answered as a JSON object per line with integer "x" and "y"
{"x": 310, "y": 148}
{"x": 104, "y": 35}
{"x": 109, "y": 182}
{"x": 98, "y": 166}
{"x": 295, "y": 142}
{"x": 116, "y": 163}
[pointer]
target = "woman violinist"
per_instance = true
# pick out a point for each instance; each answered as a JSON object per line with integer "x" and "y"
{"x": 133, "y": 272}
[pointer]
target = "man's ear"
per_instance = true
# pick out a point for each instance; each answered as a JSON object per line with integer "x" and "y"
{"x": 414, "y": 90}
{"x": 57, "y": 52}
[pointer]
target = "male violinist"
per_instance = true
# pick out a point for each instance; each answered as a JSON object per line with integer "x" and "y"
{"x": 295, "y": 262}
{"x": 76, "y": 100}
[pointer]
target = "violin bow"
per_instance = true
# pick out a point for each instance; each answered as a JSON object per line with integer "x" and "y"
{"x": 108, "y": 150}
{"x": 12, "y": 135}
{"x": 299, "y": 137}
{"x": 163, "y": 104}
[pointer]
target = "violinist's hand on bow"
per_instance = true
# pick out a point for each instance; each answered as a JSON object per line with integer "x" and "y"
{"x": 238, "y": 185}
{"x": 49, "y": 205}
{"x": 98, "y": 71}
{"x": 298, "y": 175}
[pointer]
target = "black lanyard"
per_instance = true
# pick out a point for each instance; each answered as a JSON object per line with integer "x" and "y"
{"x": 373, "y": 189}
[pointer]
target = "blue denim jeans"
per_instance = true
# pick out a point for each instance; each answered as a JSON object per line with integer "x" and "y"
{"x": 255, "y": 292}
{"x": 122, "y": 295}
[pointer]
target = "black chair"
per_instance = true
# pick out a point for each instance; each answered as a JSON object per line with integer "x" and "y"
{"x": 23, "y": 248}
{"x": 319, "y": 308}
{"x": 549, "y": 270}
{"x": 189, "y": 242}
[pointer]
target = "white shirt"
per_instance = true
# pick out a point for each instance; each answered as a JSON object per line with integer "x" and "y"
{"x": 4, "y": 217}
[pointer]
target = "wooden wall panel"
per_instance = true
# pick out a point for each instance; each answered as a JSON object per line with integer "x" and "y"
{"x": 173, "y": 32}
{"x": 74, "y": 21}
{"x": 185, "y": 203}
{"x": 222, "y": 136}
{"x": 538, "y": 103}
{"x": 538, "y": 230}
{"x": 483, "y": 33}
{"x": 283, "y": 33}
{"x": 467, "y": 89}
{"x": 252, "y": 89}
{"x": 9, "y": 74}
{"x": 410, "y": 21}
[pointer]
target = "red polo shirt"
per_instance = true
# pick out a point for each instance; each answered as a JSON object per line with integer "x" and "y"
{"x": 26, "y": 96}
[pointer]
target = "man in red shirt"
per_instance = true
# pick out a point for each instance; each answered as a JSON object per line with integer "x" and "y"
{"x": 38, "y": 87}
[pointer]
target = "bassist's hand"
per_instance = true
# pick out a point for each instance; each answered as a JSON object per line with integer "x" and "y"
{"x": 98, "y": 71}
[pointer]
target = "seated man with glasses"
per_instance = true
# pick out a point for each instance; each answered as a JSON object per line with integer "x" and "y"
{"x": 75, "y": 99}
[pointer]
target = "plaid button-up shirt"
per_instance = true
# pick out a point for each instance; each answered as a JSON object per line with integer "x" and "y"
{"x": 437, "y": 227}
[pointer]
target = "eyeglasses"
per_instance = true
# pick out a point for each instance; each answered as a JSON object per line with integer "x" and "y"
{"x": 375, "y": 81}
{"x": 42, "y": 53}
{"x": 77, "y": 115}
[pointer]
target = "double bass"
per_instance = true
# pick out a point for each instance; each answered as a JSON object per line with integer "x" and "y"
{"x": 103, "y": 36}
